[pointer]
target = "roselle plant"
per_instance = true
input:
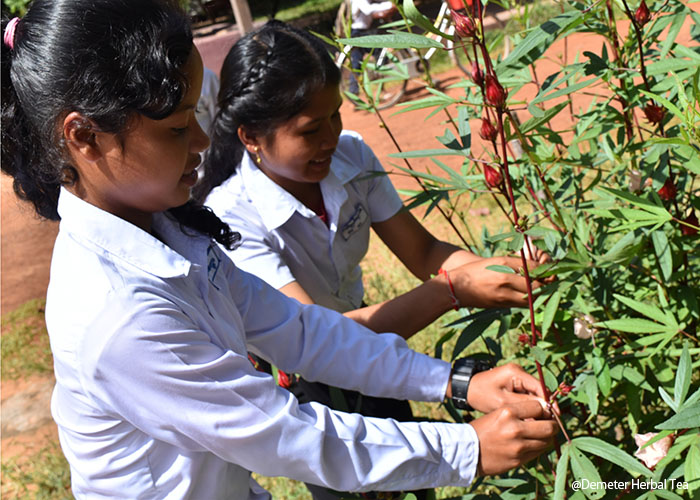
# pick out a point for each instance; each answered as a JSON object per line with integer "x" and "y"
{"x": 610, "y": 190}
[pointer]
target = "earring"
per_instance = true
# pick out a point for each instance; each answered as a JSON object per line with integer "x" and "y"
{"x": 258, "y": 159}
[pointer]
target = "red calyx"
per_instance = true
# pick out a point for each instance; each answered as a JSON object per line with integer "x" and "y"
{"x": 488, "y": 132}
{"x": 459, "y": 4}
{"x": 464, "y": 26}
{"x": 668, "y": 190}
{"x": 477, "y": 75}
{"x": 642, "y": 14}
{"x": 654, "y": 113}
{"x": 524, "y": 339}
{"x": 691, "y": 219}
{"x": 495, "y": 93}
{"x": 493, "y": 177}
{"x": 565, "y": 389}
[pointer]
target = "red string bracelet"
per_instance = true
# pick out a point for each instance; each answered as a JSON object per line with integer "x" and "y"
{"x": 453, "y": 297}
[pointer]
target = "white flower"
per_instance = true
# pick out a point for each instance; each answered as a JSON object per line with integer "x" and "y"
{"x": 652, "y": 454}
{"x": 583, "y": 327}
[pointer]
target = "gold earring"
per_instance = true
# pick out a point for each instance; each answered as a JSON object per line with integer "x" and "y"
{"x": 258, "y": 159}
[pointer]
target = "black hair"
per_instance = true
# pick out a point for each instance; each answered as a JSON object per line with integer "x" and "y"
{"x": 110, "y": 61}
{"x": 268, "y": 76}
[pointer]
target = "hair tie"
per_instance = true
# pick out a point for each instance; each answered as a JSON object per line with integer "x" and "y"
{"x": 9, "y": 36}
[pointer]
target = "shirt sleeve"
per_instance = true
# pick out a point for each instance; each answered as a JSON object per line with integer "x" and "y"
{"x": 369, "y": 8}
{"x": 201, "y": 397}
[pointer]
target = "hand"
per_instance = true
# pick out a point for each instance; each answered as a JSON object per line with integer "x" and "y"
{"x": 513, "y": 435}
{"x": 504, "y": 385}
{"x": 476, "y": 286}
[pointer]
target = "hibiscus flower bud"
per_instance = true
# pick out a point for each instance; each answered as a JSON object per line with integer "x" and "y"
{"x": 456, "y": 4}
{"x": 654, "y": 113}
{"x": 691, "y": 219}
{"x": 583, "y": 327}
{"x": 477, "y": 74}
{"x": 565, "y": 389}
{"x": 464, "y": 26}
{"x": 488, "y": 132}
{"x": 524, "y": 339}
{"x": 493, "y": 176}
{"x": 495, "y": 93}
{"x": 652, "y": 454}
{"x": 668, "y": 190}
{"x": 642, "y": 15}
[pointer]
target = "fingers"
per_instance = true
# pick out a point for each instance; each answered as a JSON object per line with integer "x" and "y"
{"x": 523, "y": 382}
{"x": 530, "y": 409}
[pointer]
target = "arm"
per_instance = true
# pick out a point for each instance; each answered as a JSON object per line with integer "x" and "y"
{"x": 474, "y": 284}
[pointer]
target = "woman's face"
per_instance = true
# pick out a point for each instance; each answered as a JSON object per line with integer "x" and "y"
{"x": 300, "y": 149}
{"x": 151, "y": 167}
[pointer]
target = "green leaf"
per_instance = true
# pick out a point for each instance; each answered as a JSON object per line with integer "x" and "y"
{"x": 692, "y": 470}
{"x": 419, "y": 19}
{"x": 539, "y": 39}
{"x": 549, "y": 311}
{"x": 602, "y": 372}
{"x": 501, "y": 269}
{"x": 662, "y": 249}
{"x": 471, "y": 333}
{"x": 565, "y": 91}
{"x": 687, "y": 418}
{"x": 392, "y": 41}
{"x": 583, "y": 468}
{"x": 612, "y": 454}
{"x": 633, "y": 325}
{"x": 683, "y": 376}
{"x": 665, "y": 103}
{"x": 562, "y": 468}
{"x": 648, "y": 310}
{"x": 550, "y": 113}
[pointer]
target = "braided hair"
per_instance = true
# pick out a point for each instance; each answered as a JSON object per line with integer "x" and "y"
{"x": 268, "y": 76}
{"x": 109, "y": 60}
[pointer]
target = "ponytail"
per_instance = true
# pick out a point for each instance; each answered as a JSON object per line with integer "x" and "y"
{"x": 108, "y": 60}
{"x": 37, "y": 173}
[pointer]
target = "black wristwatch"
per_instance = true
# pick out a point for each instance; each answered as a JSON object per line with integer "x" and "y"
{"x": 462, "y": 372}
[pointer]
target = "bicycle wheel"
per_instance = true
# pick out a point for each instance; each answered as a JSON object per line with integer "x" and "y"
{"x": 385, "y": 80}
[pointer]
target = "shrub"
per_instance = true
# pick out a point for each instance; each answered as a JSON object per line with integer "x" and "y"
{"x": 612, "y": 196}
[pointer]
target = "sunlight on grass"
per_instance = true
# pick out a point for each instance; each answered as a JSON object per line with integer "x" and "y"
{"x": 25, "y": 342}
{"x": 42, "y": 475}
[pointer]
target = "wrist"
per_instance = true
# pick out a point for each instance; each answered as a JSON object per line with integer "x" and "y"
{"x": 463, "y": 372}
{"x": 454, "y": 301}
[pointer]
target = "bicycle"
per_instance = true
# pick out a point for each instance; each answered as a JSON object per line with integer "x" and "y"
{"x": 386, "y": 77}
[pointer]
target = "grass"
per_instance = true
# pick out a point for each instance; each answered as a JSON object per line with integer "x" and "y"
{"x": 43, "y": 475}
{"x": 25, "y": 343}
{"x": 289, "y": 10}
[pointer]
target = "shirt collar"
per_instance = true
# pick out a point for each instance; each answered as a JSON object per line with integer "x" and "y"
{"x": 275, "y": 205}
{"x": 95, "y": 227}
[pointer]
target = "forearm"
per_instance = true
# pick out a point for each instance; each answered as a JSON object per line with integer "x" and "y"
{"x": 407, "y": 313}
{"x": 447, "y": 256}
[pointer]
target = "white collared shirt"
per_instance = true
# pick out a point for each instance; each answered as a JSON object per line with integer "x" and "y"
{"x": 155, "y": 396}
{"x": 363, "y": 10}
{"x": 284, "y": 241}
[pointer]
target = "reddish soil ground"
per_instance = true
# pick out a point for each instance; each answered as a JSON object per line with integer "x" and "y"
{"x": 27, "y": 242}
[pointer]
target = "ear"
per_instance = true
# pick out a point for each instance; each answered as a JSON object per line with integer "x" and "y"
{"x": 249, "y": 140}
{"x": 80, "y": 135}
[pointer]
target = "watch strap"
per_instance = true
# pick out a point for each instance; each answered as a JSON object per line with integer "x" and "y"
{"x": 462, "y": 372}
